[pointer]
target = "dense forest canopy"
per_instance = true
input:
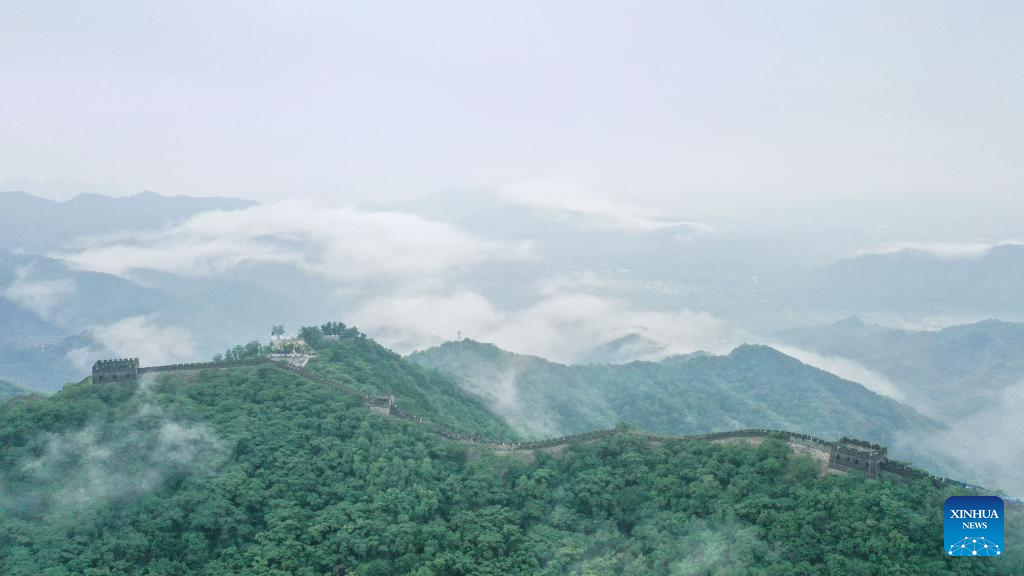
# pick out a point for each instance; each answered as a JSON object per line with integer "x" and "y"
{"x": 258, "y": 471}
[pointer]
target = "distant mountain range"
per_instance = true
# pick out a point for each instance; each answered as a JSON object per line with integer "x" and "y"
{"x": 754, "y": 386}
{"x": 36, "y": 224}
{"x": 977, "y": 361}
{"x": 969, "y": 377}
{"x": 916, "y": 284}
{"x": 761, "y": 278}
{"x": 50, "y": 310}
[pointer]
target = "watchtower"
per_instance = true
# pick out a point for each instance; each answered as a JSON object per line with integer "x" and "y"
{"x": 383, "y": 404}
{"x": 850, "y": 453}
{"x": 117, "y": 370}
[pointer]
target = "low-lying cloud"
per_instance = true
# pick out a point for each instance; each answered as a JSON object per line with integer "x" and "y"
{"x": 38, "y": 295}
{"x": 985, "y": 443}
{"x": 136, "y": 336}
{"x": 560, "y": 327}
{"x": 343, "y": 245}
{"x": 117, "y": 459}
{"x": 405, "y": 280}
{"x": 845, "y": 368}
{"x": 560, "y": 198}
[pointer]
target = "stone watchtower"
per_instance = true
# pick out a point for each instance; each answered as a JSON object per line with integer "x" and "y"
{"x": 850, "y": 453}
{"x": 115, "y": 370}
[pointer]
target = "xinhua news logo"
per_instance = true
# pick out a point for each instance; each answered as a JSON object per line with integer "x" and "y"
{"x": 973, "y": 526}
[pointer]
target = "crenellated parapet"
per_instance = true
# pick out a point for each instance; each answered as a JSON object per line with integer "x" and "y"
{"x": 117, "y": 370}
{"x": 192, "y": 366}
{"x": 852, "y": 454}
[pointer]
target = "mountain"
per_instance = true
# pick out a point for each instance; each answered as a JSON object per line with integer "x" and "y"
{"x": 72, "y": 299}
{"x": 259, "y": 471}
{"x": 968, "y": 377}
{"x": 47, "y": 366}
{"x": 609, "y": 249}
{"x": 51, "y": 313}
{"x": 8, "y": 390}
{"x": 916, "y": 284}
{"x": 752, "y": 387}
{"x": 625, "y": 349}
{"x": 23, "y": 327}
{"x": 34, "y": 224}
{"x": 980, "y": 360}
{"x": 754, "y": 273}
{"x": 47, "y": 310}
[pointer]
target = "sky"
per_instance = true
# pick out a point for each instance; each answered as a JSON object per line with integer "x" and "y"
{"x": 679, "y": 105}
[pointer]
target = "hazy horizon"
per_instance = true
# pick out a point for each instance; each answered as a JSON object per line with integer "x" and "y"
{"x": 689, "y": 108}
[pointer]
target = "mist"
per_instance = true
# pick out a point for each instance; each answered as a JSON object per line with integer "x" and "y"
{"x": 111, "y": 459}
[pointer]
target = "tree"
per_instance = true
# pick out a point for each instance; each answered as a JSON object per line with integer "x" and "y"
{"x": 277, "y": 331}
{"x": 333, "y": 328}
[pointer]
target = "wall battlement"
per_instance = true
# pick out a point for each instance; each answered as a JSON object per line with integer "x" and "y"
{"x": 117, "y": 370}
{"x": 849, "y": 454}
{"x": 846, "y": 454}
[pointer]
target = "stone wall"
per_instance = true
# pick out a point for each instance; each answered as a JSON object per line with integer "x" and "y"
{"x": 119, "y": 370}
{"x": 846, "y": 454}
{"x": 856, "y": 456}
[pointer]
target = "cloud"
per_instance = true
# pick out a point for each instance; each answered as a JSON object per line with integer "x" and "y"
{"x": 39, "y": 296}
{"x": 985, "y": 443}
{"x": 567, "y": 327}
{"x": 136, "y": 336}
{"x": 560, "y": 327}
{"x": 411, "y": 322}
{"x": 561, "y": 198}
{"x": 580, "y": 280}
{"x": 343, "y": 245}
{"x": 845, "y": 368}
{"x": 399, "y": 277}
{"x": 500, "y": 388}
{"x": 119, "y": 458}
{"x": 951, "y": 250}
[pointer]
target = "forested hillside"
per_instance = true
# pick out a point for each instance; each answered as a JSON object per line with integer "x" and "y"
{"x": 361, "y": 363}
{"x": 257, "y": 471}
{"x": 754, "y": 386}
{"x": 8, "y": 390}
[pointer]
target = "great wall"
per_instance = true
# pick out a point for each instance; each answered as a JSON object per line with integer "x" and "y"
{"x": 843, "y": 455}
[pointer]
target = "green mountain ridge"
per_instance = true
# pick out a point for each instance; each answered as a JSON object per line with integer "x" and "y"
{"x": 752, "y": 387}
{"x": 363, "y": 364}
{"x": 257, "y": 471}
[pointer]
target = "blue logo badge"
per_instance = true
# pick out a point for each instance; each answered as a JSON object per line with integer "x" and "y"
{"x": 973, "y": 526}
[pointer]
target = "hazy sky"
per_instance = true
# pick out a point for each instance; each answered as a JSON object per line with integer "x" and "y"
{"x": 669, "y": 103}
